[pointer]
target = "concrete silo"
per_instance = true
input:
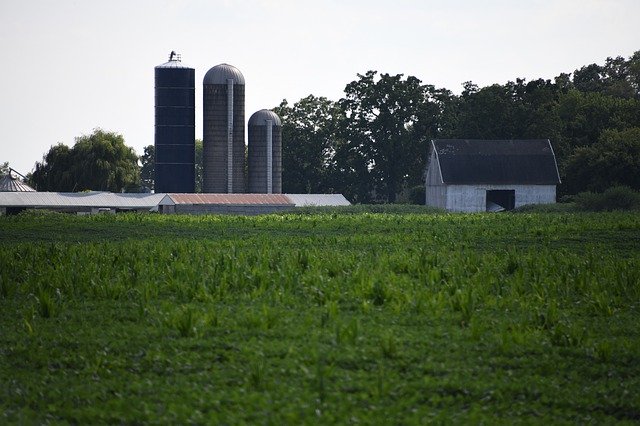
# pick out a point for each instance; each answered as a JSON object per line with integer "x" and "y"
{"x": 223, "y": 131}
{"x": 175, "y": 127}
{"x": 265, "y": 153}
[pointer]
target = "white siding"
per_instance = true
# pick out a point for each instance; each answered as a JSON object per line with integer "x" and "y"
{"x": 472, "y": 198}
{"x": 536, "y": 194}
{"x": 436, "y": 192}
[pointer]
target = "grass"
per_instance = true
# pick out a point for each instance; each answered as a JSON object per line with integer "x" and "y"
{"x": 330, "y": 317}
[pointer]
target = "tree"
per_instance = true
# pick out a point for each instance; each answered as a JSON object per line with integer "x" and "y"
{"x": 389, "y": 121}
{"x": 99, "y": 161}
{"x": 199, "y": 165}
{"x": 613, "y": 161}
{"x": 310, "y": 133}
{"x": 147, "y": 168}
{"x": 4, "y": 168}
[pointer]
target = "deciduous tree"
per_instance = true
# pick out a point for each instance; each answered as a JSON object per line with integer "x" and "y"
{"x": 99, "y": 161}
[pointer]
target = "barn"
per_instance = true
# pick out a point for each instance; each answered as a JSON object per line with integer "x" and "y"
{"x": 470, "y": 175}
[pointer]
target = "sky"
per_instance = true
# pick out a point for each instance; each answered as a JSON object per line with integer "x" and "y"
{"x": 70, "y": 66}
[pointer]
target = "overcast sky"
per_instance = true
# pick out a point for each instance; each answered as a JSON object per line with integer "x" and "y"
{"x": 71, "y": 66}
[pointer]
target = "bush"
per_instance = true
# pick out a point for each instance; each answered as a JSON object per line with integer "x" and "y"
{"x": 615, "y": 198}
{"x": 546, "y": 208}
{"x": 417, "y": 195}
{"x": 365, "y": 208}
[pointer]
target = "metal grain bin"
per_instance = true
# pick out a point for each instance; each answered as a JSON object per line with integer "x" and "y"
{"x": 223, "y": 131}
{"x": 265, "y": 153}
{"x": 175, "y": 126}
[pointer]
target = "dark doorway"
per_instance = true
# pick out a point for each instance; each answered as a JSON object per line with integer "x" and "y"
{"x": 501, "y": 199}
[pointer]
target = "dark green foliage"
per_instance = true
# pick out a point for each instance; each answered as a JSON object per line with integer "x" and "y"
{"x": 371, "y": 145}
{"x": 198, "y": 165}
{"x": 613, "y": 160}
{"x": 417, "y": 195}
{"x": 310, "y": 138}
{"x": 615, "y": 198}
{"x": 100, "y": 161}
{"x": 389, "y": 121}
{"x": 147, "y": 168}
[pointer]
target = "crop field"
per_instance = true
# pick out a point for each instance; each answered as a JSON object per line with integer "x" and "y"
{"x": 331, "y": 318}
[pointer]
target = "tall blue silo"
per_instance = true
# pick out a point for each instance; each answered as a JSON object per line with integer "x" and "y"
{"x": 175, "y": 127}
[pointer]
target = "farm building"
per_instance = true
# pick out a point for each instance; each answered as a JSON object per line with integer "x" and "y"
{"x": 107, "y": 202}
{"x": 77, "y": 202}
{"x": 246, "y": 204}
{"x": 466, "y": 175}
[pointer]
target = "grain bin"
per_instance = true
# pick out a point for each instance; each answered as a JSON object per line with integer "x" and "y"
{"x": 174, "y": 127}
{"x": 223, "y": 130}
{"x": 265, "y": 153}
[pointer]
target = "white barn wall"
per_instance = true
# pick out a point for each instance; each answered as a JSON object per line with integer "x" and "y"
{"x": 436, "y": 192}
{"x": 472, "y": 198}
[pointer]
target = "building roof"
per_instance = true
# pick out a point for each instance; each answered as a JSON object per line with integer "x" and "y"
{"x": 9, "y": 183}
{"x": 226, "y": 199}
{"x": 261, "y": 117}
{"x": 301, "y": 200}
{"x": 297, "y": 200}
{"x": 79, "y": 199}
{"x": 175, "y": 61}
{"x": 71, "y": 200}
{"x": 473, "y": 161}
{"x": 223, "y": 72}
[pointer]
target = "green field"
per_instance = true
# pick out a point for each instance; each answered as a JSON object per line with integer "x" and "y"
{"x": 371, "y": 318}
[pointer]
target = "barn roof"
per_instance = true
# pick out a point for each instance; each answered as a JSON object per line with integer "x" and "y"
{"x": 473, "y": 161}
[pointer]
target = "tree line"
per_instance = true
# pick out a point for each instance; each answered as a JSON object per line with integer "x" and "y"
{"x": 371, "y": 145}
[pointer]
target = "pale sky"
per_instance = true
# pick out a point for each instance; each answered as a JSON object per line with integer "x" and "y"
{"x": 69, "y": 66}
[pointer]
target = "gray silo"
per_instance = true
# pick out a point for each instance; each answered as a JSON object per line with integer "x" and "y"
{"x": 174, "y": 127}
{"x": 223, "y": 131}
{"x": 265, "y": 153}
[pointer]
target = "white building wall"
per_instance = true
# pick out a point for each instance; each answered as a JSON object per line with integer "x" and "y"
{"x": 436, "y": 192}
{"x": 536, "y": 194}
{"x": 472, "y": 198}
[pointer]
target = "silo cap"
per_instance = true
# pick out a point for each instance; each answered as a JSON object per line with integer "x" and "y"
{"x": 175, "y": 61}
{"x": 223, "y": 72}
{"x": 260, "y": 118}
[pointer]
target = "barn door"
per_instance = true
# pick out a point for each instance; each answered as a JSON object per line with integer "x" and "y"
{"x": 500, "y": 200}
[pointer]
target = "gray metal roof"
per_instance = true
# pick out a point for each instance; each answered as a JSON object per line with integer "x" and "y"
{"x": 260, "y": 118}
{"x": 301, "y": 200}
{"x": 221, "y": 73}
{"x": 79, "y": 199}
{"x": 472, "y": 161}
{"x": 8, "y": 183}
{"x": 149, "y": 201}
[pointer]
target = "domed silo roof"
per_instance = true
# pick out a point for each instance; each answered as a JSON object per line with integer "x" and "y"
{"x": 9, "y": 183}
{"x": 221, "y": 73}
{"x": 260, "y": 118}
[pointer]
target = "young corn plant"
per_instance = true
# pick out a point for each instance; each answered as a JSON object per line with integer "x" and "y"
{"x": 186, "y": 322}
{"x": 46, "y": 303}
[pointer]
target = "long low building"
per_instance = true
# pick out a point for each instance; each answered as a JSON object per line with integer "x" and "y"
{"x": 108, "y": 202}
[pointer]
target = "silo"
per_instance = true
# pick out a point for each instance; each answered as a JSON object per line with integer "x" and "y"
{"x": 265, "y": 153}
{"x": 175, "y": 127}
{"x": 223, "y": 131}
